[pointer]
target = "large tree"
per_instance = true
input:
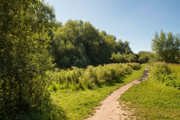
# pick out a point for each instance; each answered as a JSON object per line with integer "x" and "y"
{"x": 77, "y": 43}
{"x": 25, "y": 27}
{"x": 167, "y": 46}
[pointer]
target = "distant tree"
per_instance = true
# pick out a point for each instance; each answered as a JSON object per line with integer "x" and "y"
{"x": 167, "y": 47}
{"x": 123, "y": 47}
{"x": 145, "y": 56}
{"x": 123, "y": 58}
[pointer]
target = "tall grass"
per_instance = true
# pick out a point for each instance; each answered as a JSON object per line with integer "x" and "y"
{"x": 167, "y": 74}
{"x": 175, "y": 68}
{"x": 91, "y": 77}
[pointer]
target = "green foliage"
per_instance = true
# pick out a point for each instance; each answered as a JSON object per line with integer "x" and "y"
{"x": 122, "y": 47}
{"x": 175, "y": 68}
{"x": 167, "y": 47}
{"x": 144, "y": 57}
{"x": 65, "y": 78}
{"x": 134, "y": 66}
{"x": 24, "y": 39}
{"x": 123, "y": 58}
{"x": 91, "y": 77}
{"x": 164, "y": 74}
{"x": 78, "y": 43}
{"x": 105, "y": 74}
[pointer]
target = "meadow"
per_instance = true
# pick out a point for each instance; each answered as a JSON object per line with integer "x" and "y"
{"x": 157, "y": 98}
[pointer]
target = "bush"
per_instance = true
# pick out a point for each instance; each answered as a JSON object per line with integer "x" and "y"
{"x": 134, "y": 66}
{"x": 123, "y": 58}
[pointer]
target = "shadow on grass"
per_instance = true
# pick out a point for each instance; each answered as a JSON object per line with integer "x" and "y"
{"x": 114, "y": 82}
{"x": 51, "y": 113}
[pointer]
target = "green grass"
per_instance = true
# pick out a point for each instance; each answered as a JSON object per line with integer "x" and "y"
{"x": 153, "y": 100}
{"x": 176, "y": 69}
{"x": 77, "y": 105}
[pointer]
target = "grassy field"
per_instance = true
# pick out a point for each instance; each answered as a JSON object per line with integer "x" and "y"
{"x": 154, "y": 100}
{"x": 77, "y": 105}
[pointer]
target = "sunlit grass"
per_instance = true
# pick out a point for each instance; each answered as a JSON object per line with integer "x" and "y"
{"x": 153, "y": 100}
{"x": 77, "y": 105}
{"x": 176, "y": 69}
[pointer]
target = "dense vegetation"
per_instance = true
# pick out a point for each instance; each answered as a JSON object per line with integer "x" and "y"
{"x": 145, "y": 57}
{"x": 162, "y": 73}
{"x": 24, "y": 58}
{"x": 78, "y": 43}
{"x": 157, "y": 98}
{"x": 91, "y": 77}
{"x": 123, "y": 58}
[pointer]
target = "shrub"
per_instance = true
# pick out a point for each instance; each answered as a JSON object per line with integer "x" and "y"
{"x": 134, "y": 66}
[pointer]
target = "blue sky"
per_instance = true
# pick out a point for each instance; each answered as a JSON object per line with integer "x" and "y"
{"x": 133, "y": 20}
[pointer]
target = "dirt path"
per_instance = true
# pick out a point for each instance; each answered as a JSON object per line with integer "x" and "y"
{"x": 110, "y": 109}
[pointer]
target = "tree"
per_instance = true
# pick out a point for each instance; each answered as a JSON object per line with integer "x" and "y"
{"x": 167, "y": 47}
{"x": 68, "y": 45}
{"x": 145, "y": 56}
{"x": 107, "y": 47}
{"x": 123, "y": 47}
{"x": 78, "y": 43}
{"x": 25, "y": 27}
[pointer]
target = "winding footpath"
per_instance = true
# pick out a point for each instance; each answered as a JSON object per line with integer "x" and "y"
{"x": 110, "y": 109}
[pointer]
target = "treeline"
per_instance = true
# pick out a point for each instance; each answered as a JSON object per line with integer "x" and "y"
{"x": 78, "y": 43}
